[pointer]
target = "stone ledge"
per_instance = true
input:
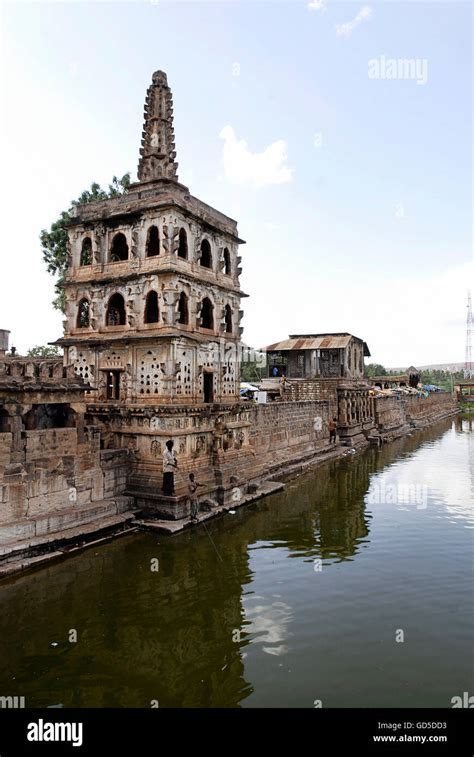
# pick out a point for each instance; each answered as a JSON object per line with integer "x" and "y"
{"x": 175, "y": 526}
{"x": 19, "y": 556}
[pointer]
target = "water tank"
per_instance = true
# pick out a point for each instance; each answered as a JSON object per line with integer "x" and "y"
{"x": 4, "y": 341}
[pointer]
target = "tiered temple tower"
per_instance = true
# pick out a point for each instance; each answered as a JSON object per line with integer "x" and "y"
{"x": 153, "y": 310}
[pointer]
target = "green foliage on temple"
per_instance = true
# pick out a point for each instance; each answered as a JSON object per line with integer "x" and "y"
{"x": 251, "y": 372}
{"x": 375, "y": 369}
{"x": 54, "y": 241}
{"x": 44, "y": 351}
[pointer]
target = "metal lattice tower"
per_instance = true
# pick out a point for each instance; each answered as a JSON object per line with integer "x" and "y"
{"x": 468, "y": 371}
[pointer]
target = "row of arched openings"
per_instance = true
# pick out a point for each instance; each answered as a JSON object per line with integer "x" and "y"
{"x": 119, "y": 249}
{"x": 116, "y": 315}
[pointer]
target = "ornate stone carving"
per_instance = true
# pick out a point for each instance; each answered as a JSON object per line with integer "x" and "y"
{"x": 158, "y": 150}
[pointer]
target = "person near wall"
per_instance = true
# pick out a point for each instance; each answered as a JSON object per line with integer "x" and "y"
{"x": 332, "y": 426}
{"x": 193, "y": 498}
{"x": 170, "y": 463}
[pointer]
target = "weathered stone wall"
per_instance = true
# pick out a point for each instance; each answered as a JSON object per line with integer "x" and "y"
{"x": 282, "y": 433}
{"x": 421, "y": 409}
{"x": 310, "y": 390}
{"x": 62, "y": 473}
{"x": 389, "y": 414}
{"x": 394, "y": 417}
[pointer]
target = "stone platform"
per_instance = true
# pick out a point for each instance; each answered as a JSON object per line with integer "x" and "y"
{"x": 175, "y": 526}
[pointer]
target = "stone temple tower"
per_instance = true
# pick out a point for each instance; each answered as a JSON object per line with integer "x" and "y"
{"x": 153, "y": 309}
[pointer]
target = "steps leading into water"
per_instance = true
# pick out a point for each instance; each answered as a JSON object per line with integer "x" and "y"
{"x": 27, "y": 542}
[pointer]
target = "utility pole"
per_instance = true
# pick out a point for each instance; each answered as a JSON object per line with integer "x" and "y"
{"x": 469, "y": 329}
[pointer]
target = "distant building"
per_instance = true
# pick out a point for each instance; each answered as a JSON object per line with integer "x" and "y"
{"x": 411, "y": 378}
{"x": 309, "y": 356}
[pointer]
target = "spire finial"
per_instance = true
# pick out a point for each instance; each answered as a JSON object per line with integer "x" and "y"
{"x": 157, "y": 151}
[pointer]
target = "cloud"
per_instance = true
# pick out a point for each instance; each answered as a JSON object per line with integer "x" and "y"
{"x": 260, "y": 169}
{"x": 345, "y": 30}
{"x": 317, "y": 5}
{"x": 420, "y": 315}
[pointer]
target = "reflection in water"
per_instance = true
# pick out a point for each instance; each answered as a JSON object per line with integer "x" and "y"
{"x": 267, "y": 624}
{"x": 262, "y": 623}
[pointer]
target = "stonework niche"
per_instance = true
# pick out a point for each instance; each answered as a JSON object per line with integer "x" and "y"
{"x": 152, "y": 313}
{"x": 115, "y": 315}
{"x": 206, "y": 256}
{"x": 207, "y": 314}
{"x": 229, "y": 375}
{"x": 83, "y": 314}
{"x": 149, "y": 372}
{"x": 228, "y": 319}
{"x": 119, "y": 248}
{"x": 84, "y": 368}
{"x": 152, "y": 242}
{"x": 227, "y": 264}
{"x": 184, "y": 377}
{"x": 183, "y": 244}
{"x": 86, "y": 251}
{"x": 183, "y": 309}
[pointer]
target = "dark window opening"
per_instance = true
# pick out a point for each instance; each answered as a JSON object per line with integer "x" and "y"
{"x": 86, "y": 251}
{"x": 152, "y": 242}
{"x": 116, "y": 311}
{"x": 207, "y": 314}
{"x": 4, "y": 421}
{"x": 208, "y": 386}
{"x": 206, "y": 257}
{"x": 183, "y": 244}
{"x": 228, "y": 319}
{"x": 83, "y": 314}
{"x": 183, "y": 315}
{"x": 113, "y": 385}
{"x": 49, "y": 416}
{"x": 119, "y": 249}
{"x": 152, "y": 312}
{"x": 227, "y": 266}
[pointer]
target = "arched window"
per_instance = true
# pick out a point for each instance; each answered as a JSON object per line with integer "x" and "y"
{"x": 152, "y": 242}
{"x": 228, "y": 319}
{"x": 207, "y": 314}
{"x": 83, "y": 314}
{"x": 206, "y": 257}
{"x": 183, "y": 244}
{"x": 86, "y": 251}
{"x": 227, "y": 266}
{"x": 183, "y": 314}
{"x": 152, "y": 312}
{"x": 119, "y": 249}
{"x": 115, "y": 311}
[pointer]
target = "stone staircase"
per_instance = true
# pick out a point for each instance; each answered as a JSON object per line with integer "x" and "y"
{"x": 51, "y": 533}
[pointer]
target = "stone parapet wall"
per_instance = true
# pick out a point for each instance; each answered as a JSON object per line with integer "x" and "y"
{"x": 420, "y": 408}
{"x": 44, "y": 370}
{"x": 310, "y": 390}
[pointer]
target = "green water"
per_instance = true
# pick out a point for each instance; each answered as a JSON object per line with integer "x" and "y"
{"x": 240, "y": 614}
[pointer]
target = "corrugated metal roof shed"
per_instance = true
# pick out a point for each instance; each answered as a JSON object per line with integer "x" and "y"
{"x": 315, "y": 342}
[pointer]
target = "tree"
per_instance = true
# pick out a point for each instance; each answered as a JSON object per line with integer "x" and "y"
{"x": 44, "y": 351}
{"x": 54, "y": 241}
{"x": 375, "y": 369}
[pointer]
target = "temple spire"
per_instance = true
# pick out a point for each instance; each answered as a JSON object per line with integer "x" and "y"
{"x": 157, "y": 152}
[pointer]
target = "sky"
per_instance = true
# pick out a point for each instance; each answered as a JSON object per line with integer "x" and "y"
{"x": 337, "y": 134}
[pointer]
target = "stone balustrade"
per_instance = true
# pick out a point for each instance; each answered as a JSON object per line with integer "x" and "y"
{"x": 35, "y": 370}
